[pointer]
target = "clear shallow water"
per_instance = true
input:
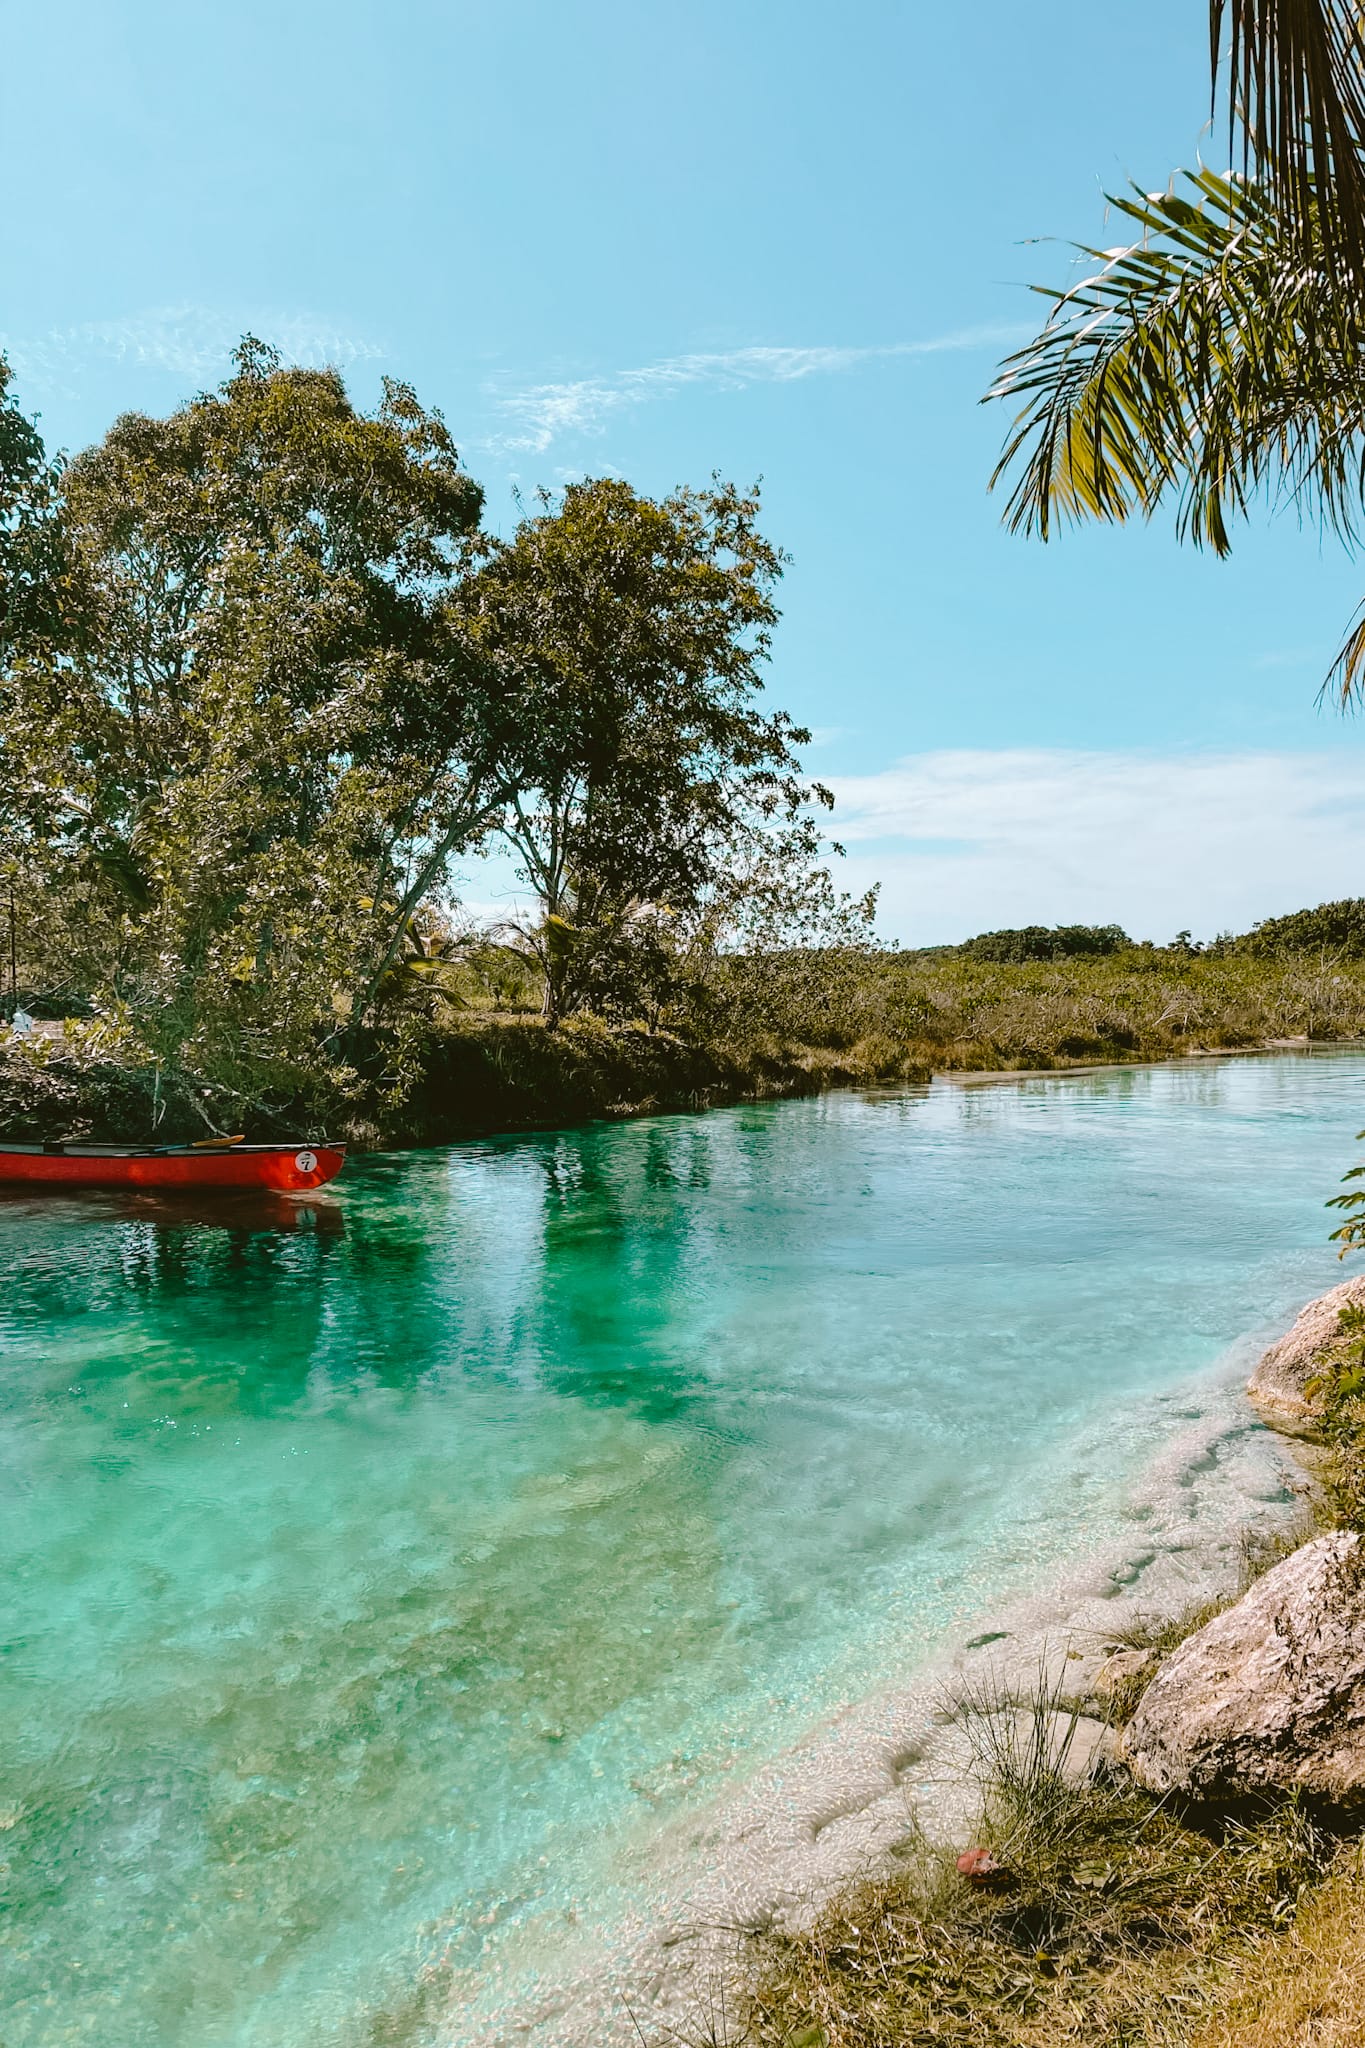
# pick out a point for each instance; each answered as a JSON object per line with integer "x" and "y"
{"x": 375, "y": 1574}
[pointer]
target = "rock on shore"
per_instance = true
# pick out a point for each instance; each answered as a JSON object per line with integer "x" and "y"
{"x": 1279, "y": 1385}
{"x": 1271, "y": 1693}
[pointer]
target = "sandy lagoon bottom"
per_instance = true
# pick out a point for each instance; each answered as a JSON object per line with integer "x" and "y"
{"x": 397, "y": 1589}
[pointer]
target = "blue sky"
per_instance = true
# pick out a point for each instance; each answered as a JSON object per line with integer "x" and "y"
{"x": 747, "y": 237}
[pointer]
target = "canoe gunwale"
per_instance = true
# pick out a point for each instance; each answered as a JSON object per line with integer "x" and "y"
{"x": 92, "y": 1148}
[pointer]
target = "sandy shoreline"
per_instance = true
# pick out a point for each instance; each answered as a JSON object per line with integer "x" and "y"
{"x": 968, "y": 1077}
{"x": 768, "y": 1854}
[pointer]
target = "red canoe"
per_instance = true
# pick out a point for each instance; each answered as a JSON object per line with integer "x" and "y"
{"x": 231, "y": 1164}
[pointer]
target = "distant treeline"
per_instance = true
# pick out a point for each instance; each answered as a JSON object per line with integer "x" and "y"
{"x": 1336, "y": 928}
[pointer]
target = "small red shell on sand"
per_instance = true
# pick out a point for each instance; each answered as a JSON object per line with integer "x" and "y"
{"x": 978, "y": 1866}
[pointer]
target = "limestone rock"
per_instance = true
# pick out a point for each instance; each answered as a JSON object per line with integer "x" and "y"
{"x": 1269, "y": 1694}
{"x": 1279, "y": 1385}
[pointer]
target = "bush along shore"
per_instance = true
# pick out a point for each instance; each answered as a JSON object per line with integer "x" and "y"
{"x": 470, "y": 1080}
{"x": 467, "y": 1051}
{"x": 1197, "y": 1877}
{"x": 268, "y": 686}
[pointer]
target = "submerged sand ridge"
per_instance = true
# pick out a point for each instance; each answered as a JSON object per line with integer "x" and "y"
{"x": 834, "y": 1807}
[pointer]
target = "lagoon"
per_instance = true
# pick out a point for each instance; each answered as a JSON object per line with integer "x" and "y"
{"x": 385, "y": 1576}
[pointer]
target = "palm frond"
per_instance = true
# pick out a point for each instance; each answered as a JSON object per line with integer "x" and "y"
{"x": 1217, "y": 358}
{"x": 1209, "y": 361}
{"x": 1296, "y": 91}
{"x": 1346, "y": 677}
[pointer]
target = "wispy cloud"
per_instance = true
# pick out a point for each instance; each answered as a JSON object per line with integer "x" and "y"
{"x": 538, "y": 414}
{"x": 969, "y": 840}
{"x": 180, "y": 341}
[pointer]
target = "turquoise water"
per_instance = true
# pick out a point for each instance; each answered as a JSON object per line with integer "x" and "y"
{"x": 377, "y": 1571}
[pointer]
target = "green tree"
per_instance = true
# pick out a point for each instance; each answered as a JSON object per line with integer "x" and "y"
{"x": 1336, "y": 930}
{"x": 270, "y": 739}
{"x": 1039, "y": 942}
{"x": 35, "y": 593}
{"x": 37, "y": 607}
{"x": 635, "y": 632}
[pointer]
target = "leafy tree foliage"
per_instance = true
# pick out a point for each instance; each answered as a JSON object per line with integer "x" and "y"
{"x": 269, "y": 679}
{"x": 635, "y": 631}
{"x": 269, "y": 723}
{"x": 35, "y": 594}
{"x": 37, "y": 607}
{"x": 1333, "y": 928}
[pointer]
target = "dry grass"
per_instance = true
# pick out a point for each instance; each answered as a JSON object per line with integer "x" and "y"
{"x": 1120, "y": 1930}
{"x": 1304, "y": 1988}
{"x": 947, "y": 1012}
{"x": 1165, "y": 1632}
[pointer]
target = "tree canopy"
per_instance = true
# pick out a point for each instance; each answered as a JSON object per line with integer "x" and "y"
{"x": 265, "y": 678}
{"x": 1043, "y": 942}
{"x": 636, "y": 631}
{"x": 35, "y": 592}
{"x": 1337, "y": 929}
{"x": 266, "y": 717}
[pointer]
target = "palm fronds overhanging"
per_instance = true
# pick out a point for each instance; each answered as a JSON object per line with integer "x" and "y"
{"x": 1212, "y": 360}
{"x": 1296, "y": 92}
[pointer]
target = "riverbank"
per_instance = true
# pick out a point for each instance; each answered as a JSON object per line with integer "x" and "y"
{"x": 1168, "y": 1920}
{"x": 793, "y": 1024}
{"x": 492, "y": 1075}
{"x": 829, "y": 1911}
{"x": 750, "y": 1881}
{"x": 497, "y": 1074}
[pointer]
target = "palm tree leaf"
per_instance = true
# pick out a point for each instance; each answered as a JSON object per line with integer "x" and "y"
{"x": 1346, "y": 677}
{"x": 1216, "y": 358}
{"x": 1296, "y": 90}
{"x": 1208, "y": 361}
